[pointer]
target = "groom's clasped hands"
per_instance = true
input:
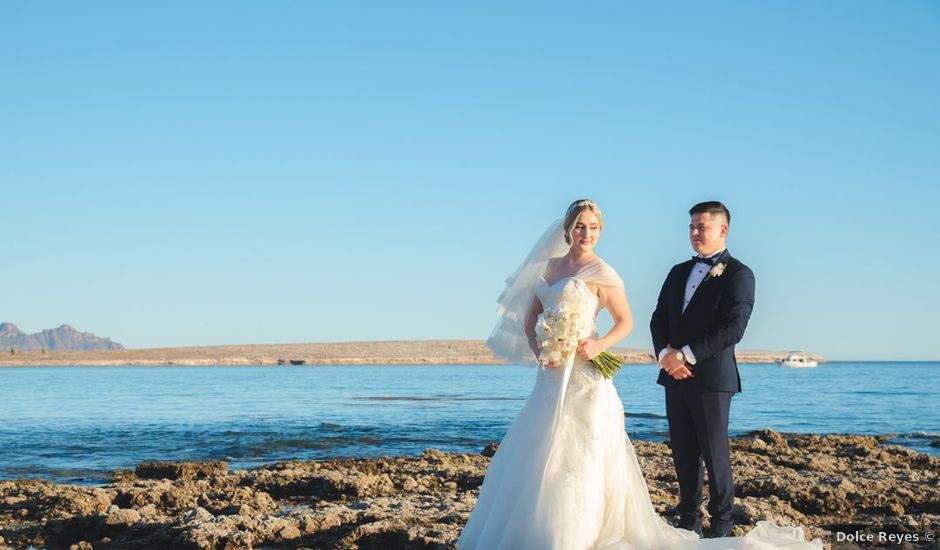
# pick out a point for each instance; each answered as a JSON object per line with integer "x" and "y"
{"x": 675, "y": 367}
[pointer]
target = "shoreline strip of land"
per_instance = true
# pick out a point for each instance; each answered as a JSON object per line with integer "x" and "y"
{"x": 400, "y": 352}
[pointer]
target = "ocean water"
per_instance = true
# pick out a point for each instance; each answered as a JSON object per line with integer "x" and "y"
{"x": 76, "y": 424}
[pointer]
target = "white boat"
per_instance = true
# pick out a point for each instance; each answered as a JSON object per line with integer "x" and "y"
{"x": 798, "y": 361}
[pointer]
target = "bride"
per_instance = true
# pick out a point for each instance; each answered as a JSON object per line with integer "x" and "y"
{"x": 565, "y": 476}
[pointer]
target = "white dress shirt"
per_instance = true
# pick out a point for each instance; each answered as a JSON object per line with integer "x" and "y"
{"x": 696, "y": 276}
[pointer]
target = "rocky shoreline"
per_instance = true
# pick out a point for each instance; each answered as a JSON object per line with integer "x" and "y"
{"x": 825, "y": 483}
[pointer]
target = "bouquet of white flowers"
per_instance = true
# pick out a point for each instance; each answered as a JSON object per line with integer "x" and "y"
{"x": 558, "y": 331}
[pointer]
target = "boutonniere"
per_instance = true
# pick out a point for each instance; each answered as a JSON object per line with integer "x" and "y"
{"x": 715, "y": 271}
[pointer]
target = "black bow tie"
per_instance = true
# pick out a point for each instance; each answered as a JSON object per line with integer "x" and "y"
{"x": 709, "y": 261}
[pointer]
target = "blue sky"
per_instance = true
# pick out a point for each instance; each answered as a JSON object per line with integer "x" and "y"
{"x": 182, "y": 173}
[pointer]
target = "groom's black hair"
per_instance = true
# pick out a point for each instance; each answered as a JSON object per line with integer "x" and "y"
{"x": 712, "y": 207}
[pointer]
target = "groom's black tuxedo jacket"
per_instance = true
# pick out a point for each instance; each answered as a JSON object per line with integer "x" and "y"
{"x": 712, "y": 324}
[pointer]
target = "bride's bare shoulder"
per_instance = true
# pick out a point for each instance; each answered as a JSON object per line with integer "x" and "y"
{"x": 551, "y": 265}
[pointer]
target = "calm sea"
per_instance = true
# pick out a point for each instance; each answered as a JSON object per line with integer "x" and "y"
{"x": 75, "y": 424}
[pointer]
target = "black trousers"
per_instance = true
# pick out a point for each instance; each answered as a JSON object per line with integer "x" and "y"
{"x": 698, "y": 431}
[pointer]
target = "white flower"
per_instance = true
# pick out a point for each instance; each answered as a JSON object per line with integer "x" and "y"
{"x": 717, "y": 270}
{"x": 559, "y": 329}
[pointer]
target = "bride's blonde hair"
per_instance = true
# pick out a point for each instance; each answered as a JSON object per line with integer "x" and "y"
{"x": 575, "y": 210}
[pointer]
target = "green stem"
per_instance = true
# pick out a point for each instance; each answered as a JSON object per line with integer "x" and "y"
{"x": 608, "y": 364}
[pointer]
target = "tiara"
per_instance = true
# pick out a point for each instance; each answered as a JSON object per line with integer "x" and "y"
{"x": 581, "y": 204}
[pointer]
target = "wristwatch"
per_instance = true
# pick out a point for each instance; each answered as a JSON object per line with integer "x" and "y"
{"x": 680, "y": 356}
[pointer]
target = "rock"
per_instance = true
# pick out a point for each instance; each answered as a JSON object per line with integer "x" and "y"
{"x": 148, "y": 512}
{"x": 122, "y": 475}
{"x": 433, "y": 454}
{"x": 771, "y": 438}
{"x": 197, "y": 515}
{"x": 822, "y": 463}
{"x": 490, "y": 450}
{"x": 180, "y": 470}
{"x": 37, "y": 499}
{"x": 324, "y": 519}
{"x": 820, "y": 482}
{"x": 123, "y": 517}
{"x": 289, "y": 532}
{"x": 166, "y": 495}
{"x": 409, "y": 483}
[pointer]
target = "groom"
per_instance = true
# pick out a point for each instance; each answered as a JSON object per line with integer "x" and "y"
{"x": 701, "y": 314}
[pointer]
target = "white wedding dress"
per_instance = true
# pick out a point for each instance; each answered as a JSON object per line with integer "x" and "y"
{"x": 566, "y": 477}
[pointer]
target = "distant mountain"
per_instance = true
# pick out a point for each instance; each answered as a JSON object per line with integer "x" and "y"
{"x": 64, "y": 338}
